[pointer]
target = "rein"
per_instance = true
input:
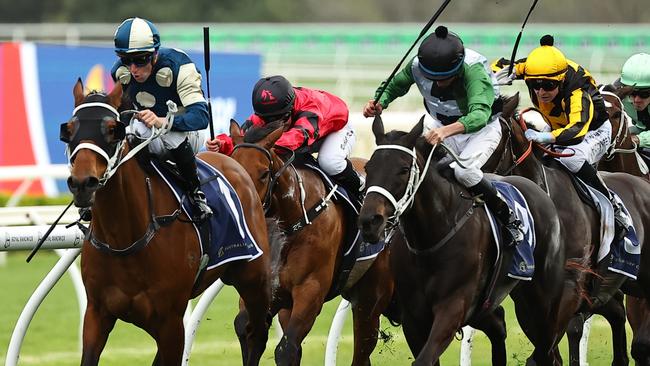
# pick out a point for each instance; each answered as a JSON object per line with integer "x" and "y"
{"x": 416, "y": 177}
{"x": 266, "y": 204}
{"x": 113, "y": 163}
{"x": 154, "y": 225}
{"x": 547, "y": 151}
{"x": 622, "y": 132}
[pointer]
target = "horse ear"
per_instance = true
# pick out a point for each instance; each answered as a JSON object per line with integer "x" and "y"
{"x": 115, "y": 96}
{"x": 415, "y": 132}
{"x": 271, "y": 138}
{"x": 235, "y": 132}
{"x": 378, "y": 129}
{"x": 510, "y": 105}
{"x": 78, "y": 92}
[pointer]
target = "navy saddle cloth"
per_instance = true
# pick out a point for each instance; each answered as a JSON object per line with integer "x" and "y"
{"x": 231, "y": 238}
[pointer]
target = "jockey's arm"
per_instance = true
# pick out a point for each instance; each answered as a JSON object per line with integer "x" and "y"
{"x": 480, "y": 97}
{"x": 579, "y": 117}
{"x": 398, "y": 86}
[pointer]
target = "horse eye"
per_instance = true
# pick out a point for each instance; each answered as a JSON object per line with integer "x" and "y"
{"x": 265, "y": 175}
{"x": 405, "y": 170}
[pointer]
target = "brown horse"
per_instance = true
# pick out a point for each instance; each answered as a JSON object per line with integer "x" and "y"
{"x": 451, "y": 250}
{"x": 312, "y": 259}
{"x": 149, "y": 260}
{"x": 579, "y": 222}
{"x": 623, "y": 157}
{"x": 303, "y": 261}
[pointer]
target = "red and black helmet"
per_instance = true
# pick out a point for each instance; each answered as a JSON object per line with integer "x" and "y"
{"x": 273, "y": 97}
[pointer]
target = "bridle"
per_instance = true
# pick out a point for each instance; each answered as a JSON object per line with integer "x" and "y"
{"x": 622, "y": 132}
{"x": 266, "y": 202}
{"x": 114, "y": 161}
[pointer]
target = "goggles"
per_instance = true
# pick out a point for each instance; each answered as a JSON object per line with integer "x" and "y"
{"x": 643, "y": 93}
{"x": 546, "y": 84}
{"x": 138, "y": 61}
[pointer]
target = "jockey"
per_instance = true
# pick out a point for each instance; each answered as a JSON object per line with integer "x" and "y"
{"x": 566, "y": 95}
{"x": 313, "y": 120}
{"x": 636, "y": 73}
{"x": 459, "y": 95}
{"x": 151, "y": 76}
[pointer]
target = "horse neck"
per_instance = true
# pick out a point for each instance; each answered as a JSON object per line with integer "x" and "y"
{"x": 432, "y": 203}
{"x": 121, "y": 209}
{"x": 285, "y": 198}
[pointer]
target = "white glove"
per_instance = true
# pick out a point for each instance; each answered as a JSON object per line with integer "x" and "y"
{"x": 502, "y": 76}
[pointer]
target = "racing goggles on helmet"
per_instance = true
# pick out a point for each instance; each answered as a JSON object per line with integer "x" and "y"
{"x": 139, "y": 61}
{"x": 641, "y": 93}
{"x": 546, "y": 84}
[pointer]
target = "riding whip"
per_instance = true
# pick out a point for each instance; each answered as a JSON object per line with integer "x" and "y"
{"x": 514, "y": 49}
{"x": 206, "y": 58}
{"x": 422, "y": 33}
{"x": 47, "y": 233}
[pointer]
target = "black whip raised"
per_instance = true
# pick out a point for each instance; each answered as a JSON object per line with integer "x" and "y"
{"x": 47, "y": 233}
{"x": 423, "y": 32}
{"x": 206, "y": 58}
{"x": 514, "y": 49}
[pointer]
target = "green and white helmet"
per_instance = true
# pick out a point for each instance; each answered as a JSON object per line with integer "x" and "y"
{"x": 636, "y": 71}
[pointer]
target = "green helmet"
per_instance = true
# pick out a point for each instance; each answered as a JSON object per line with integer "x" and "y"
{"x": 636, "y": 71}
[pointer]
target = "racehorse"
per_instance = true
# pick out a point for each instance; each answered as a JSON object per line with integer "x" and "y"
{"x": 623, "y": 157}
{"x": 451, "y": 251}
{"x": 580, "y": 224}
{"x": 140, "y": 262}
{"x": 312, "y": 258}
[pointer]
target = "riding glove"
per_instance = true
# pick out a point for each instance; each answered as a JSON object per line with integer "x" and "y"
{"x": 541, "y": 137}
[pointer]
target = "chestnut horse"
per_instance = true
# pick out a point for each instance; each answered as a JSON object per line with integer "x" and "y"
{"x": 312, "y": 257}
{"x": 623, "y": 157}
{"x": 452, "y": 251}
{"x": 145, "y": 272}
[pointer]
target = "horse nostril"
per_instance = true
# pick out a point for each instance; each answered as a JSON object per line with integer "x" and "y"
{"x": 92, "y": 183}
{"x": 73, "y": 184}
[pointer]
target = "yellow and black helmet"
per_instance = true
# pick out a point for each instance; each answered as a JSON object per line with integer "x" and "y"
{"x": 546, "y": 61}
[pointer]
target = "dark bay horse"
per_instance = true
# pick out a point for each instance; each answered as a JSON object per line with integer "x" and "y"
{"x": 579, "y": 224}
{"x": 303, "y": 260}
{"x": 147, "y": 269}
{"x": 452, "y": 250}
{"x": 312, "y": 258}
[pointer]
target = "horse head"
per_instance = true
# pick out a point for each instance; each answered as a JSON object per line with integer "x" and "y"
{"x": 254, "y": 152}
{"x": 390, "y": 173}
{"x": 93, "y": 135}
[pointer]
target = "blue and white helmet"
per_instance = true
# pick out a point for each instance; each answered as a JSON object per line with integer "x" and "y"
{"x": 136, "y": 35}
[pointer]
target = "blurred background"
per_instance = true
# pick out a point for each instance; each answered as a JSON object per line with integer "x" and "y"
{"x": 344, "y": 47}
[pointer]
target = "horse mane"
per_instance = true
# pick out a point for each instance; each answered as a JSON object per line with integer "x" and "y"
{"x": 256, "y": 133}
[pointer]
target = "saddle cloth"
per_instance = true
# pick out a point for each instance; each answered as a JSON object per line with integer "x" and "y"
{"x": 522, "y": 266}
{"x": 231, "y": 238}
{"x": 626, "y": 254}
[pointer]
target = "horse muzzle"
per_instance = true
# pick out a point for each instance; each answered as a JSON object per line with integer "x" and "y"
{"x": 83, "y": 190}
{"x": 371, "y": 226}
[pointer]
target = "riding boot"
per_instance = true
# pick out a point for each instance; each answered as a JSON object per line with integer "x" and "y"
{"x": 513, "y": 232}
{"x": 351, "y": 181}
{"x": 606, "y": 287}
{"x": 589, "y": 175}
{"x": 184, "y": 158}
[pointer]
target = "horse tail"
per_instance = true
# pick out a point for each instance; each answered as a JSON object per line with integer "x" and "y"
{"x": 277, "y": 241}
{"x": 579, "y": 267}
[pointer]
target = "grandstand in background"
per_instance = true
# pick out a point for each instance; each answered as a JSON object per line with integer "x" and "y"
{"x": 351, "y": 59}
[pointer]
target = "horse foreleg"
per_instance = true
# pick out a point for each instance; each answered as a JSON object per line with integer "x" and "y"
{"x": 169, "y": 335}
{"x": 307, "y": 304}
{"x": 256, "y": 320}
{"x": 638, "y": 313}
{"x": 493, "y": 324}
{"x": 97, "y": 325}
{"x": 447, "y": 319}
{"x": 574, "y": 335}
{"x": 614, "y": 312}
